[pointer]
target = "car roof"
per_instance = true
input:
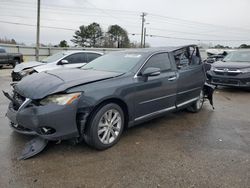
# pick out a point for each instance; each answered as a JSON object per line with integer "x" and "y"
{"x": 68, "y": 52}
{"x": 158, "y": 49}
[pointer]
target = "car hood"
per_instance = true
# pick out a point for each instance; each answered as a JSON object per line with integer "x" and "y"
{"x": 27, "y": 65}
{"x": 233, "y": 65}
{"x": 40, "y": 85}
{"x": 46, "y": 67}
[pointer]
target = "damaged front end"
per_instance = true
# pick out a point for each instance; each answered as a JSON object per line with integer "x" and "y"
{"x": 51, "y": 118}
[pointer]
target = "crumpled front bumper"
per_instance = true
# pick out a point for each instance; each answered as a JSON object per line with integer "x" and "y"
{"x": 51, "y": 122}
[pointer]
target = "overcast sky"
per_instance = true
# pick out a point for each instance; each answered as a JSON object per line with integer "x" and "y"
{"x": 171, "y": 22}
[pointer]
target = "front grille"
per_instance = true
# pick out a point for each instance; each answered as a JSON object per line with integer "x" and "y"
{"x": 227, "y": 72}
{"x": 19, "y": 100}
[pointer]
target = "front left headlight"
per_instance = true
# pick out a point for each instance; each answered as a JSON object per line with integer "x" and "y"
{"x": 212, "y": 68}
{"x": 246, "y": 70}
{"x": 60, "y": 99}
{"x": 26, "y": 72}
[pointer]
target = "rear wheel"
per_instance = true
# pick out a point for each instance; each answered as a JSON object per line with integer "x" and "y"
{"x": 1, "y": 66}
{"x": 197, "y": 105}
{"x": 105, "y": 127}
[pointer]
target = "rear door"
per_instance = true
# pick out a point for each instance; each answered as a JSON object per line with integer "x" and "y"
{"x": 191, "y": 75}
{"x": 156, "y": 94}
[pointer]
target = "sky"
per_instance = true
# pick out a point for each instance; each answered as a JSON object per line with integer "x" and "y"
{"x": 168, "y": 22}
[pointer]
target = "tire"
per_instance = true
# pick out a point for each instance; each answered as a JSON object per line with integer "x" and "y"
{"x": 101, "y": 133}
{"x": 1, "y": 66}
{"x": 197, "y": 105}
{"x": 16, "y": 62}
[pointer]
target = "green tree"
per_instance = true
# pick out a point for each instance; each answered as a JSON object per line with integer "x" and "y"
{"x": 88, "y": 36}
{"x": 244, "y": 46}
{"x": 63, "y": 44}
{"x": 118, "y": 36}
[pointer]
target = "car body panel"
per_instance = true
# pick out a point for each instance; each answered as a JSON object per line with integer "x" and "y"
{"x": 27, "y": 65}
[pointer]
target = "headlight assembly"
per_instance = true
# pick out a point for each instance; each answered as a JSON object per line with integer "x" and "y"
{"x": 60, "y": 99}
{"x": 246, "y": 70}
{"x": 26, "y": 72}
{"x": 212, "y": 68}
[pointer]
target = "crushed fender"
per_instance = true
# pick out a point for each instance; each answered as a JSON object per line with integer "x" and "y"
{"x": 208, "y": 93}
{"x": 33, "y": 147}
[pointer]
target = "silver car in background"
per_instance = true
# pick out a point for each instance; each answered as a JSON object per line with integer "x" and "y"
{"x": 65, "y": 59}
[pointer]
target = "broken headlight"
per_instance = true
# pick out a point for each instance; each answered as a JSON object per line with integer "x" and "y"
{"x": 60, "y": 99}
{"x": 26, "y": 72}
{"x": 212, "y": 68}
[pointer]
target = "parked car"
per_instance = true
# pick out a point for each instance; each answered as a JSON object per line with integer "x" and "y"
{"x": 118, "y": 90}
{"x": 234, "y": 70}
{"x": 65, "y": 59}
{"x": 9, "y": 58}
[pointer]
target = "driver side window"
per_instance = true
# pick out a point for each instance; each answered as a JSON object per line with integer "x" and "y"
{"x": 160, "y": 61}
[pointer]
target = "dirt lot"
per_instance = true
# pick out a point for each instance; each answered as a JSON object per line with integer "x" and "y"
{"x": 208, "y": 149}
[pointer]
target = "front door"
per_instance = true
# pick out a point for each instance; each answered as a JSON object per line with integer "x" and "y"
{"x": 156, "y": 94}
{"x": 191, "y": 75}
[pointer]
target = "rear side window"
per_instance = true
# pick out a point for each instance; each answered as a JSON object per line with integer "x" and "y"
{"x": 77, "y": 58}
{"x": 92, "y": 56}
{"x": 160, "y": 61}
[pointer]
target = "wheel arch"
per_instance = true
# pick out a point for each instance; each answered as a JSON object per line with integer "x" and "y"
{"x": 115, "y": 100}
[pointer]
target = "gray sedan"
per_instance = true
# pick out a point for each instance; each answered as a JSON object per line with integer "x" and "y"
{"x": 118, "y": 90}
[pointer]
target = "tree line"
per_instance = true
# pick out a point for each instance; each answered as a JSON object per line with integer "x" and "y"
{"x": 92, "y": 35}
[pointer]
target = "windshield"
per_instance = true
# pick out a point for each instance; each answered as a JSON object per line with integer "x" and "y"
{"x": 115, "y": 62}
{"x": 238, "y": 56}
{"x": 53, "y": 58}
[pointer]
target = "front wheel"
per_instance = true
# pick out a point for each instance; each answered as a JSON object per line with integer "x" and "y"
{"x": 105, "y": 127}
{"x": 197, "y": 105}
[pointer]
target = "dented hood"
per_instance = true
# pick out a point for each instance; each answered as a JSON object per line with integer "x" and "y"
{"x": 38, "y": 86}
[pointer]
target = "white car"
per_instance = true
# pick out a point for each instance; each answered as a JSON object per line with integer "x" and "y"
{"x": 65, "y": 59}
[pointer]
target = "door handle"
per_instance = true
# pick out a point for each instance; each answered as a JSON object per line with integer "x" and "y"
{"x": 172, "y": 78}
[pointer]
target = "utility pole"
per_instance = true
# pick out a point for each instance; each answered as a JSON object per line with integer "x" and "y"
{"x": 142, "y": 27}
{"x": 38, "y": 30}
{"x": 144, "y": 40}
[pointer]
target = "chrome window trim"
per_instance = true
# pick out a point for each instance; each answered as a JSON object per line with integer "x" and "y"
{"x": 155, "y": 113}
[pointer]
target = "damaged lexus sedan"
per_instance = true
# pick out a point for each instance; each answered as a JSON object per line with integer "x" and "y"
{"x": 113, "y": 92}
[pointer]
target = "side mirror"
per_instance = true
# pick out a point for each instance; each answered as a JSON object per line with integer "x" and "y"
{"x": 151, "y": 71}
{"x": 62, "y": 62}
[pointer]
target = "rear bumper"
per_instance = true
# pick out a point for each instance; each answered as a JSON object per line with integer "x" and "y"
{"x": 51, "y": 122}
{"x": 240, "y": 80}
